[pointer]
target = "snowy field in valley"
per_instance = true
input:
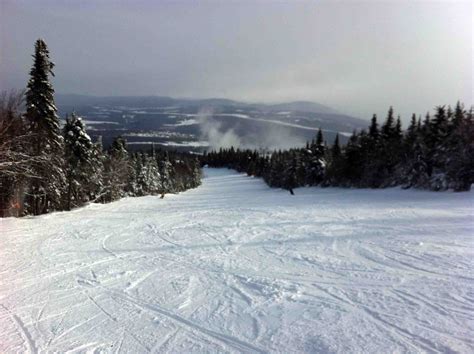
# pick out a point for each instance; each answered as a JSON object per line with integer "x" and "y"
{"x": 234, "y": 266}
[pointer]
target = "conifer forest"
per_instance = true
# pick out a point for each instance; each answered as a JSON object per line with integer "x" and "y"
{"x": 45, "y": 167}
{"x": 434, "y": 153}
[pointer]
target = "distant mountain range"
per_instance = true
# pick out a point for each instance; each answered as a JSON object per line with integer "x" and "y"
{"x": 206, "y": 124}
{"x": 153, "y": 101}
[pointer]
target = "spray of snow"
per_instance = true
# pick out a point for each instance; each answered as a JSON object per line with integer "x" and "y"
{"x": 212, "y": 131}
{"x": 272, "y": 136}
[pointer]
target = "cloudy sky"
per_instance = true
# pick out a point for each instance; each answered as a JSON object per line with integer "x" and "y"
{"x": 358, "y": 57}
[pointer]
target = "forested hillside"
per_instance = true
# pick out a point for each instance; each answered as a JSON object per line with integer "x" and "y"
{"x": 44, "y": 167}
{"x": 436, "y": 153}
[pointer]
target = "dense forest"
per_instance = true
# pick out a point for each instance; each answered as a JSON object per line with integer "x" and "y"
{"x": 436, "y": 153}
{"x": 45, "y": 167}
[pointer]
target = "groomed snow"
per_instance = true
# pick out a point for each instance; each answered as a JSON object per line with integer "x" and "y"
{"x": 234, "y": 266}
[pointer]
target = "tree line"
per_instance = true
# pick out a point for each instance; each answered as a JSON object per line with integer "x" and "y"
{"x": 44, "y": 167}
{"x": 434, "y": 153}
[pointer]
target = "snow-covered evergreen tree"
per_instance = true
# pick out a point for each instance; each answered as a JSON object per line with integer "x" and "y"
{"x": 79, "y": 158}
{"x": 196, "y": 173}
{"x": 459, "y": 150}
{"x": 132, "y": 187}
{"x": 290, "y": 177}
{"x": 148, "y": 179}
{"x": 116, "y": 170}
{"x": 374, "y": 132}
{"x": 315, "y": 165}
{"x": 96, "y": 189}
{"x": 153, "y": 177}
{"x": 165, "y": 171}
{"x": 414, "y": 171}
{"x": 334, "y": 165}
{"x": 15, "y": 161}
{"x": 46, "y": 142}
{"x": 438, "y": 150}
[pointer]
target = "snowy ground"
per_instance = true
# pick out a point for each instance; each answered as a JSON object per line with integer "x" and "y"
{"x": 234, "y": 266}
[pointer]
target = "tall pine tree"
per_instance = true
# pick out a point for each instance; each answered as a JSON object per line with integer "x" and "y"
{"x": 46, "y": 142}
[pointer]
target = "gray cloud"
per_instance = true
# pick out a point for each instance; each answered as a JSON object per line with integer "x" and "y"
{"x": 358, "y": 57}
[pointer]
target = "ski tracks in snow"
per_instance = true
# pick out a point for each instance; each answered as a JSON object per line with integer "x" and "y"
{"x": 234, "y": 266}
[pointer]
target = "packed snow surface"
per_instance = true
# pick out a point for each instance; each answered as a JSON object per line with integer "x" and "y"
{"x": 234, "y": 266}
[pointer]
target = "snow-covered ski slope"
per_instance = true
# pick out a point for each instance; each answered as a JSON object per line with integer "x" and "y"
{"x": 234, "y": 266}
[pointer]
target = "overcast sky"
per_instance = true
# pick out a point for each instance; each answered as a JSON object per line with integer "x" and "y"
{"x": 358, "y": 57}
